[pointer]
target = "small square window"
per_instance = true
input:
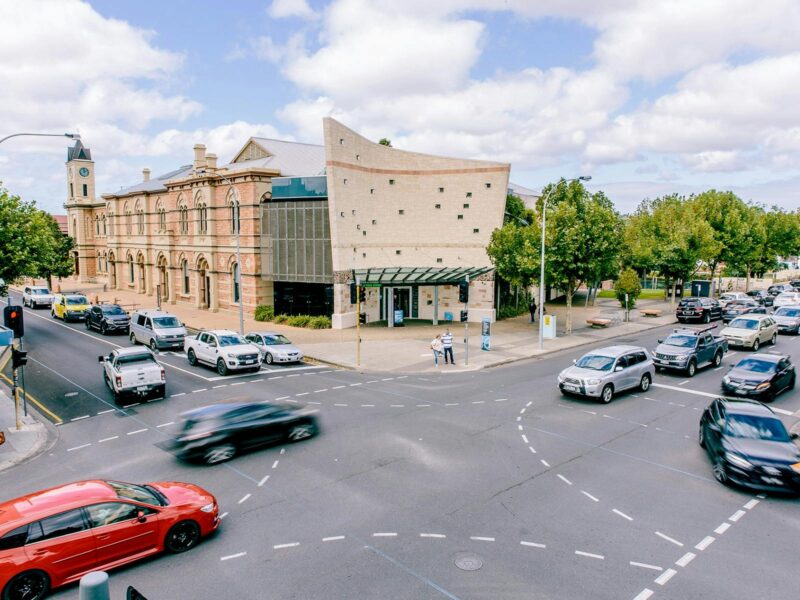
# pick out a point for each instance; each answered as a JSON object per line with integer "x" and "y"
{"x": 364, "y": 232}
{"x": 345, "y": 181}
{"x": 466, "y": 205}
{"x": 437, "y": 206}
{"x": 401, "y": 211}
{"x": 476, "y": 231}
{"x": 469, "y": 194}
{"x": 397, "y": 251}
{"x": 341, "y": 214}
{"x": 438, "y": 260}
{"x": 460, "y": 217}
{"x": 371, "y": 190}
{"x": 374, "y": 221}
{"x": 353, "y": 211}
{"x": 391, "y": 182}
{"x": 341, "y": 141}
{"x": 488, "y": 185}
{"x": 363, "y": 255}
{"x": 441, "y": 190}
{"x": 358, "y": 157}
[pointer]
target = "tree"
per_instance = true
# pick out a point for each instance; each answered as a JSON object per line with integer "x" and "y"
{"x": 514, "y": 252}
{"x": 627, "y": 284}
{"x": 517, "y": 211}
{"x": 385, "y": 142}
{"x": 637, "y": 249}
{"x": 54, "y": 255}
{"x": 747, "y": 254}
{"x": 18, "y": 235}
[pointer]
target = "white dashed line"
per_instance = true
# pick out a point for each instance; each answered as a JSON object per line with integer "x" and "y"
{"x": 241, "y": 383}
{"x": 388, "y": 379}
{"x": 588, "y": 495}
{"x": 588, "y": 412}
{"x": 524, "y": 438}
{"x": 137, "y": 431}
{"x": 501, "y": 400}
{"x": 478, "y": 538}
{"x": 589, "y": 555}
{"x": 385, "y": 534}
{"x": 354, "y": 384}
{"x": 200, "y": 390}
{"x": 320, "y": 391}
{"x": 751, "y": 504}
{"x": 545, "y": 463}
{"x": 166, "y": 424}
{"x": 108, "y": 439}
{"x": 520, "y": 427}
{"x": 279, "y": 546}
{"x": 705, "y": 542}
{"x": 423, "y": 405}
{"x": 78, "y": 447}
{"x": 339, "y": 404}
{"x": 338, "y": 387}
{"x": 479, "y": 401}
{"x": 222, "y": 385}
{"x": 302, "y": 394}
{"x": 529, "y": 403}
{"x": 621, "y": 514}
{"x": 665, "y": 576}
{"x": 646, "y": 566}
{"x": 669, "y": 539}
{"x": 333, "y": 538}
{"x": 397, "y": 406}
{"x": 263, "y": 481}
{"x": 644, "y": 594}
{"x": 451, "y": 404}
{"x": 295, "y": 375}
{"x": 244, "y": 498}
{"x": 737, "y": 515}
{"x": 79, "y": 418}
{"x": 532, "y": 449}
{"x": 372, "y": 381}
{"x": 223, "y": 515}
{"x": 722, "y": 528}
{"x": 684, "y": 382}
{"x": 533, "y": 544}
{"x": 275, "y": 464}
{"x": 438, "y": 536}
{"x": 368, "y": 405}
{"x": 519, "y": 418}
{"x": 564, "y": 479}
{"x": 138, "y": 403}
{"x": 283, "y": 450}
{"x": 522, "y": 411}
{"x": 231, "y": 556}
{"x": 105, "y": 412}
{"x": 685, "y": 559}
{"x": 176, "y": 395}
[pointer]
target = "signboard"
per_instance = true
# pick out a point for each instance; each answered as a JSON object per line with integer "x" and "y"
{"x": 6, "y": 336}
{"x": 371, "y": 284}
{"x": 398, "y": 318}
{"x": 549, "y": 326}
{"x": 486, "y": 331}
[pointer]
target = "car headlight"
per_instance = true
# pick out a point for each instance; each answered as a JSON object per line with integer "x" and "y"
{"x": 208, "y": 508}
{"x": 726, "y": 379}
{"x": 763, "y": 386}
{"x": 230, "y": 355}
{"x": 737, "y": 461}
{"x": 592, "y": 382}
{"x": 796, "y": 467}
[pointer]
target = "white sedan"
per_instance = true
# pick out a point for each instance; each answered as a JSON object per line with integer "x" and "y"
{"x": 274, "y": 347}
{"x": 786, "y": 299}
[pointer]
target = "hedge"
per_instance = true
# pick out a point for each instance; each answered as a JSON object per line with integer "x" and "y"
{"x": 267, "y": 313}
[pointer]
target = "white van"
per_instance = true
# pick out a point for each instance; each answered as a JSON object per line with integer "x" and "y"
{"x": 157, "y": 329}
{"x": 36, "y": 296}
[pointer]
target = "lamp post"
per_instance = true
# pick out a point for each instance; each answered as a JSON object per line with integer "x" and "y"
{"x": 72, "y": 136}
{"x": 238, "y": 226}
{"x": 541, "y": 273}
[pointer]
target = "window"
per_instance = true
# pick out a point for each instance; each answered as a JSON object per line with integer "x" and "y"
{"x": 488, "y": 185}
{"x": 235, "y": 221}
{"x": 71, "y": 191}
{"x": 460, "y": 217}
{"x": 85, "y": 190}
{"x": 109, "y": 513}
{"x": 441, "y": 190}
{"x": 344, "y": 181}
{"x": 374, "y": 221}
{"x": 401, "y": 212}
{"x": 97, "y": 225}
{"x": 391, "y": 182}
{"x": 202, "y": 217}
{"x": 469, "y": 194}
{"x": 438, "y": 260}
{"x": 57, "y": 526}
{"x": 162, "y": 219}
{"x": 371, "y": 190}
{"x": 398, "y": 251}
{"x": 466, "y": 205}
{"x": 129, "y": 221}
{"x": 99, "y": 263}
{"x": 105, "y": 232}
{"x": 130, "y": 269}
{"x": 437, "y": 206}
{"x": 183, "y": 217}
{"x": 476, "y": 230}
{"x": 358, "y": 157}
{"x": 140, "y": 221}
{"x": 185, "y": 273}
{"x": 14, "y": 538}
{"x": 235, "y": 281}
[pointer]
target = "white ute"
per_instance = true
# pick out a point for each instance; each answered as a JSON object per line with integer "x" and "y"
{"x": 223, "y": 349}
{"x": 133, "y": 372}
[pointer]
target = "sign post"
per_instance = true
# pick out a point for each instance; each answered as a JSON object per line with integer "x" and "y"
{"x": 466, "y": 326}
{"x": 358, "y": 321}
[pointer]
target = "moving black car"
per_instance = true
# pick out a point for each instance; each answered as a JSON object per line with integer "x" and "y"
{"x": 760, "y": 376}
{"x": 762, "y": 297}
{"x": 107, "y": 318}
{"x": 217, "y": 433}
{"x": 698, "y": 309}
{"x": 749, "y": 446}
{"x": 737, "y": 308}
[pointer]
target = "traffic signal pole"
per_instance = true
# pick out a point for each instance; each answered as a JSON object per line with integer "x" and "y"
{"x": 466, "y": 327}
{"x": 358, "y": 322}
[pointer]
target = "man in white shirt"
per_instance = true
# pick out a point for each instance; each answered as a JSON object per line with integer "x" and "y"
{"x": 447, "y": 344}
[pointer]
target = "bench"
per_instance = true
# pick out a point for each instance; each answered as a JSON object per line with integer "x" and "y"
{"x": 651, "y": 312}
{"x": 599, "y": 322}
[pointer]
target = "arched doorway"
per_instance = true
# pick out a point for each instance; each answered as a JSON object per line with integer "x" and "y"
{"x": 163, "y": 276}
{"x": 112, "y": 271}
{"x": 142, "y": 273}
{"x": 204, "y": 283}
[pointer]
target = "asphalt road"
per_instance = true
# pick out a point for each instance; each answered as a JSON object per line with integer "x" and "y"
{"x": 541, "y": 496}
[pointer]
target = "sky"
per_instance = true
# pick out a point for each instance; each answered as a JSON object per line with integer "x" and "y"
{"x": 649, "y": 97}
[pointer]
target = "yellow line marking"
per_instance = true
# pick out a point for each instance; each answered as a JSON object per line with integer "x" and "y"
{"x": 36, "y": 403}
{"x": 5, "y": 362}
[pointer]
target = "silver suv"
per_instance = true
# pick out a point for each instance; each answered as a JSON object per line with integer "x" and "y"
{"x": 604, "y": 372}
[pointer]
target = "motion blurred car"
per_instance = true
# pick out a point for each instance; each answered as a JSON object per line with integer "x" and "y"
{"x": 760, "y": 376}
{"x": 786, "y": 299}
{"x": 749, "y": 446}
{"x": 788, "y": 319}
{"x": 698, "y": 309}
{"x": 727, "y": 297}
{"x": 274, "y": 347}
{"x": 3, "y": 287}
{"x": 751, "y": 331}
{"x": 737, "y": 308}
{"x": 214, "y": 434}
{"x": 779, "y": 288}
{"x": 761, "y": 296}
{"x": 55, "y": 536}
{"x": 36, "y": 296}
{"x": 604, "y": 372}
{"x": 108, "y": 318}
{"x": 69, "y": 307}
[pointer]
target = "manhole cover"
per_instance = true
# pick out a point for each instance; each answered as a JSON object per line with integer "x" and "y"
{"x": 468, "y": 562}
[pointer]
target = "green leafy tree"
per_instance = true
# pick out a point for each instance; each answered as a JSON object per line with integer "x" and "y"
{"x": 517, "y": 211}
{"x": 514, "y": 252}
{"x": 638, "y": 252}
{"x": 18, "y": 235}
{"x": 747, "y": 254}
{"x": 627, "y": 283}
{"x": 385, "y": 142}
{"x": 782, "y": 238}
{"x": 53, "y": 256}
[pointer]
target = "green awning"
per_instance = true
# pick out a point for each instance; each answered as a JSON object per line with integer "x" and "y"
{"x": 418, "y": 275}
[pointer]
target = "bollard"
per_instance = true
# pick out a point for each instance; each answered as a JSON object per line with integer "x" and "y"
{"x": 94, "y": 586}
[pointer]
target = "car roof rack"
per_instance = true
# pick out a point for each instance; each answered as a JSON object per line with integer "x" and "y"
{"x": 694, "y": 330}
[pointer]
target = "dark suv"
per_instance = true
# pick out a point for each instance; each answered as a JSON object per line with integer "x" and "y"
{"x": 698, "y": 309}
{"x": 108, "y": 318}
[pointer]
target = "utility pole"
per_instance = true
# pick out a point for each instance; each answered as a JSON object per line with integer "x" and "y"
{"x": 466, "y": 328}
{"x": 358, "y": 321}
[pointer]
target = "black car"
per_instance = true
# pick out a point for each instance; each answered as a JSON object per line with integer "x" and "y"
{"x": 217, "y": 433}
{"x": 779, "y": 288}
{"x": 107, "y": 318}
{"x": 698, "y": 309}
{"x": 737, "y": 308}
{"x": 749, "y": 446}
{"x": 760, "y": 376}
{"x": 763, "y": 297}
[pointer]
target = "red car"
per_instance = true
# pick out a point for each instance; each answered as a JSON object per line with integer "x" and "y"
{"x": 56, "y": 536}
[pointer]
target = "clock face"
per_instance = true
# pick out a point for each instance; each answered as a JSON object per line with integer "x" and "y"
{"x": 83, "y": 172}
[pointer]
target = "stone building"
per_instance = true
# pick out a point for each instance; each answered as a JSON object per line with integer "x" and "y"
{"x": 310, "y": 219}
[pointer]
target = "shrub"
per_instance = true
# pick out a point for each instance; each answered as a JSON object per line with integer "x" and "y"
{"x": 278, "y": 319}
{"x": 628, "y": 283}
{"x": 298, "y": 320}
{"x": 509, "y": 310}
{"x": 264, "y": 313}
{"x": 319, "y": 323}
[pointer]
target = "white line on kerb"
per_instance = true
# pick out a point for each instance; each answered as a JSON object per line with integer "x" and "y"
{"x": 137, "y": 431}
{"x": 751, "y": 504}
{"x": 589, "y": 554}
{"x": 78, "y": 447}
{"x": 230, "y": 556}
{"x": 545, "y": 463}
{"x": 685, "y": 559}
{"x": 588, "y": 495}
{"x": 722, "y": 528}
{"x": 279, "y": 546}
{"x": 438, "y": 536}
{"x": 244, "y": 498}
{"x": 737, "y": 515}
{"x": 533, "y": 544}
{"x": 385, "y": 534}
{"x": 564, "y": 479}
{"x": 87, "y": 416}
{"x": 669, "y": 539}
{"x": 621, "y": 514}
{"x": 644, "y": 594}
{"x": 646, "y": 566}
{"x": 478, "y": 538}
{"x": 108, "y": 439}
{"x": 665, "y": 576}
{"x": 333, "y": 538}
{"x": 705, "y": 542}
{"x": 263, "y": 481}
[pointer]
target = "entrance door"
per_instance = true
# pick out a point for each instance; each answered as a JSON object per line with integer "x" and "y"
{"x": 399, "y": 299}
{"x": 77, "y": 265}
{"x": 208, "y": 291}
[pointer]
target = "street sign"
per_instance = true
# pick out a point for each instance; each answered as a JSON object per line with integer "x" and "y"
{"x": 371, "y": 284}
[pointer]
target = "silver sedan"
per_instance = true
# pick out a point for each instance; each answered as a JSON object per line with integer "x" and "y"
{"x": 275, "y": 347}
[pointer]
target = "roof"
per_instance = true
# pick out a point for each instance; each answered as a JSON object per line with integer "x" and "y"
{"x": 63, "y": 225}
{"x": 132, "y": 351}
{"x": 418, "y": 275}
{"x": 290, "y": 158}
{"x": 616, "y": 350}
{"x": 60, "y": 498}
{"x": 78, "y": 152}
{"x": 772, "y": 358}
{"x": 153, "y": 312}
{"x": 221, "y": 332}
{"x": 155, "y": 184}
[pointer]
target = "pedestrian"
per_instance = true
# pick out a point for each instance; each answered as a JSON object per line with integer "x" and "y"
{"x": 438, "y": 349}
{"x": 447, "y": 343}
{"x": 532, "y": 308}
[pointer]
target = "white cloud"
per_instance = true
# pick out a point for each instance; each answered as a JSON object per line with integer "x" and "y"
{"x": 281, "y": 9}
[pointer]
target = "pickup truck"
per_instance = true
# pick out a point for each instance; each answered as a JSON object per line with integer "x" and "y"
{"x": 225, "y": 350}
{"x": 687, "y": 348}
{"x": 133, "y": 372}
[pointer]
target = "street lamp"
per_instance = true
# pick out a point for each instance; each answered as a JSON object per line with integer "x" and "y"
{"x": 541, "y": 275}
{"x": 238, "y": 226}
{"x": 72, "y": 136}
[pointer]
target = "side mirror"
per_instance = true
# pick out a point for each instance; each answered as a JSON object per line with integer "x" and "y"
{"x": 140, "y": 516}
{"x": 101, "y": 359}
{"x": 661, "y": 341}
{"x": 795, "y": 436}
{"x": 574, "y": 361}
{"x": 618, "y": 368}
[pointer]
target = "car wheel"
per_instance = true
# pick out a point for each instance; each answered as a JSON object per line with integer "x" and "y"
{"x": 103, "y": 328}
{"x": 302, "y": 431}
{"x": 191, "y": 357}
{"x": 31, "y": 585}
{"x": 706, "y": 317}
{"x": 161, "y": 391}
{"x": 218, "y": 454}
{"x": 701, "y": 436}
{"x": 268, "y": 358}
{"x": 791, "y": 382}
{"x": 756, "y": 345}
{"x": 659, "y": 369}
{"x": 53, "y": 314}
{"x": 719, "y": 472}
{"x": 182, "y": 536}
{"x": 717, "y": 359}
{"x": 117, "y": 396}
{"x": 691, "y": 369}
{"x": 88, "y": 323}
{"x": 222, "y": 368}
{"x": 774, "y": 339}
{"x": 644, "y": 384}
{"x": 608, "y": 394}
{"x": 153, "y": 345}
{"x": 132, "y": 338}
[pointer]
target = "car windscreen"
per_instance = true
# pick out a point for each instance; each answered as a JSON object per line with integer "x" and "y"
{"x": 230, "y": 340}
{"x": 137, "y": 493}
{"x": 752, "y": 427}
{"x": 756, "y": 366}
{"x": 39, "y": 292}
{"x": 112, "y": 310}
{"x": 744, "y": 324}
{"x": 166, "y": 322}
{"x": 77, "y": 300}
{"x": 596, "y": 362}
{"x": 692, "y": 302}
{"x": 276, "y": 340}
{"x": 144, "y": 357}
{"x": 785, "y": 311}
{"x": 684, "y": 341}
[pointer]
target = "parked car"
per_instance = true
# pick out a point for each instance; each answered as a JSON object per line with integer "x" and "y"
{"x": 737, "y": 308}
{"x": 727, "y": 297}
{"x": 795, "y": 283}
{"x": 69, "y": 307}
{"x": 760, "y": 376}
{"x": 750, "y": 331}
{"x": 788, "y": 319}
{"x": 133, "y": 372}
{"x": 3, "y": 288}
{"x": 761, "y": 296}
{"x": 686, "y": 349}
{"x": 749, "y": 446}
{"x": 786, "y": 299}
{"x": 225, "y": 350}
{"x": 779, "y": 288}
{"x": 157, "y": 329}
{"x": 36, "y": 296}
{"x": 55, "y": 536}
{"x": 108, "y": 318}
{"x": 698, "y": 309}
{"x": 274, "y": 347}
{"x": 605, "y": 372}
{"x": 217, "y": 433}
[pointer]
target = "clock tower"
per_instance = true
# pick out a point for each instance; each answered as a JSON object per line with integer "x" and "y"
{"x": 80, "y": 206}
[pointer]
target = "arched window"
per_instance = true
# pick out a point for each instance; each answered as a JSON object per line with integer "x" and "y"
{"x": 128, "y": 221}
{"x": 105, "y": 262}
{"x": 99, "y": 262}
{"x": 96, "y": 225}
{"x": 139, "y": 219}
{"x": 236, "y": 282}
{"x": 162, "y": 219}
{"x": 185, "y": 273}
{"x": 183, "y": 219}
{"x": 202, "y": 218}
{"x": 235, "y": 219}
{"x": 103, "y": 219}
{"x": 130, "y": 268}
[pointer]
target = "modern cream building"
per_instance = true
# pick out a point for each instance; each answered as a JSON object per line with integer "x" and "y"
{"x": 311, "y": 220}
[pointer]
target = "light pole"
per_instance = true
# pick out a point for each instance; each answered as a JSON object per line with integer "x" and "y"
{"x": 72, "y": 136}
{"x": 541, "y": 273}
{"x": 238, "y": 226}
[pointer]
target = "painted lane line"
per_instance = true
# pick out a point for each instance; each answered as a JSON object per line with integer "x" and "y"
{"x": 239, "y": 383}
{"x": 87, "y": 416}
{"x": 166, "y": 424}
{"x": 302, "y": 394}
{"x": 338, "y": 387}
{"x": 78, "y": 447}
{"x": 478, "y": 401}
{"x": 232, "y": 556}
{"x": 737, "y": 515}
{"x": 529, "y": 403}
{"x": 751, "y": 504}
{"x": 588, "y": 412}
{"x": 423, "y": 405}
{"x": 372, "y": 381}
{"x": 223, "y": 515}
{"x": 761, "y": 496}
{"x": 524, "y": 438}
{"x": 451, "y": 404}
{"x": 283, "y": 398}
{"x": 295, "y": 375}
{"x": 644, "y": 594}
{"x": 522, "y": 411}
{"x": 685, "y": 559}
{"x": 646, "y": 566}
{"x": 610, "y": 417}
{"x": 385, "y": 534}
{"x": 279, "y": 546}
{"x": 134, "y": 404}
{"x": 137, "y": 431}
{"x": 176, "y": 395}
{"x": 684, "y": 382}
{"x": 108, "y": 439}
{"x": 533, "y": 544}
{"x": 588, "y": 495}
{"x": 388, "y": 379}
{"x": 200, "y": 390}
{"x": 320, "y": 391}
{"x": 501, "y": 400}
{"x": 283, "y": 451}
{"x": 263, "y": 481}
{"x": 275, "y": 464}
{"x": 368, "y": 405}
{"x": 333, "y": 538}
{"x": 532, "y": 449}
{"x": 520, "y": 427}
{"x": 244, "y": 498}
{"x": 105, "y": 412}
{"x": 222, "y": 385}
{"x": 354, "y": 384}
{"x": 438, "y": 536}
{"x": 589, "y": 555}
{"x": 777, "y": 410}
{"x": 621, "y": 514}
{"x": 722, "y": 528}
{"x": 397, "y": 406}
{"x": 478, "y": 538}
{"x": 310, "y": 401}
{"x": 339, "y": 404}
{"x": 564, "y": 479}
{"x": 519, "y": 418}
{"x": 705, "y": 543}
{"x": 545, "y": 463}
{"x": 270, "y": 378}
{"x": 669, "y": 539}
{"x": 665, "y": 576}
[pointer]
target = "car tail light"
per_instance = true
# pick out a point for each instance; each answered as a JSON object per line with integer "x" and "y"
{"x": 119, "y": 380}
{"x": 163, "y": 375}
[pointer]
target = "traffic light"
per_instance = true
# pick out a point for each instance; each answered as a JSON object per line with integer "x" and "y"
{"x": 463, "y": 291}
{"x": 19, "y": 358}
{"x": 12, "y": 317}
{"x": 353, "y": 296}
{"x": 464, "y": 314}
{"x": 362, "y": 318}
{"x": 362, "y": 295}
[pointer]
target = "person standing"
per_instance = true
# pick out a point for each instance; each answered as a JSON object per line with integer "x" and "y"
{"x": 447, "y": 343}
{"x": 532, "y": 308}
{"x": 438, "y": 349}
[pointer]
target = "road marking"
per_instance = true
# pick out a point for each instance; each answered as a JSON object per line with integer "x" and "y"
{"x": 588, "y": 495}
{"x": 282, "y": 398}
{"x": 176, "y": 395}
{"x": 372, "y": 381}
{"x": 545, "y": 463}
{"x": 669, "y": 539}
{"x": 532, "y": 449}
{"x": 501, "y": 400}
{"x": 621, "y": 514}
{"x": 319, "y": 391}
{"x": 532, "y": 544}
{"x": 134, "y": 404}
{"x": 302, "y": 394}
{"x": 166, "y": 424}
{"x": 478, "y": 538}
{"x": 58, "y": 420}
{"x": 451, "y": 404}
{"x": 588, "y": 412}
{"x": 385, "y": 534}
{"x": 520, "y": 427}
{"x": 263, "y": 481}
{"x": 368, "y": 405}
{"x": 79, "y": 418}
{"x": 705, "y": 542}
{"x": 136, "y": 431}
{"x": 645, "y": 566}
{"x": 397, "y": 405}
{"x": 423, "y": 405}
{"x": 338, "y": 387}
{"x": 564, "y": 479}
{"x": 644, "y": 594}
{"x": 354, "y": 384}
{"x": 275, "y": 464}
{"x": 610, "y": 417}
{"x": 737, "y": 515}
{"x": 279, "y": 546}
{"x": 782, "y": 411}
{"x": 219, "y": 386}
{"x": 333, "y": 538}
{"x": 223, "y": 515}
{"x": 244, "y": 382}
{"x": 685, "y": 559}
{"x": 751, "y": 504}
{"x": 684, "y": 382}
{"x": 339, "y": 404}
{"x": 478, "y": 401}
{"x": 438, "y": 536}
{"x": 105, "y": 412}
{"x": 665, "y": 576}
{"x": 524, "y": 438}
{"x": 528, "y": 404}
{"x": 522, "y": 411}
{"x": 283, "y": 451}
{"x": 231, "y": 556}
{"x": 244, "y": 498}
{"x": 78, "y": 447}
{"x": 108, "y": 439}
{"x": 295, "y": 375}
{"x": 388, "y": 379}
{"x": 519, "y": 418}
{"x": 200, "y": 390}
{"x": 589, "y": 555}
{"x": 722, "y": 528}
